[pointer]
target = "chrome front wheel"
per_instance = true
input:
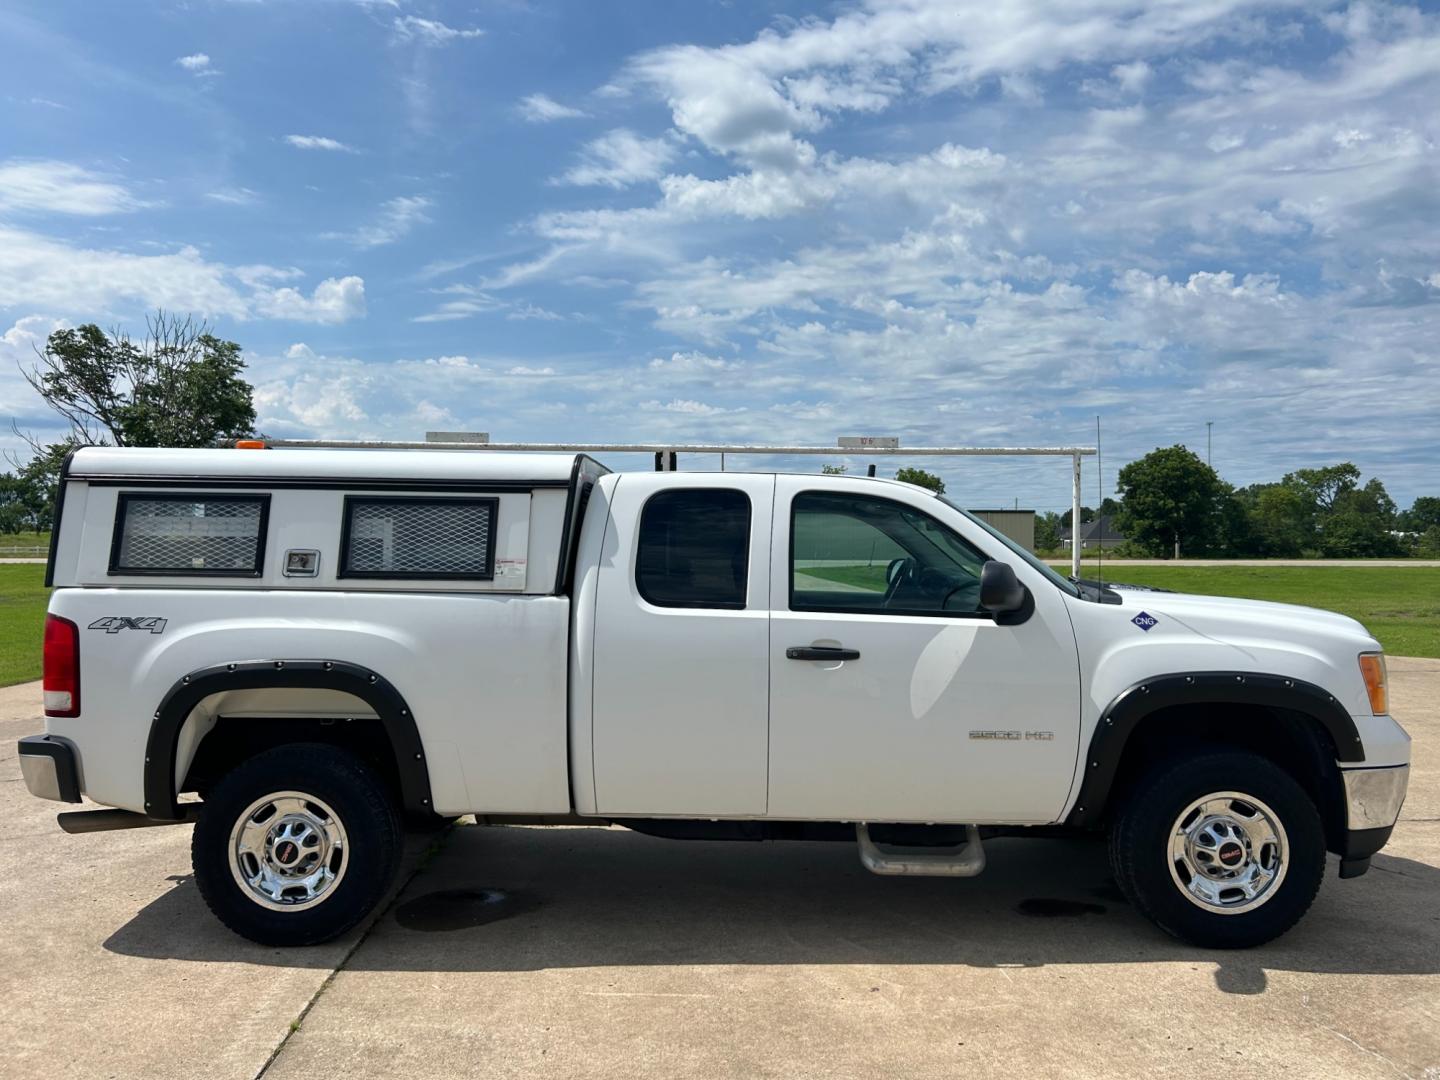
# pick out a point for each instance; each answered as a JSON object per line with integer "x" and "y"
{"x": 1221, "y": 848}
{"x": 1228, "y": 852}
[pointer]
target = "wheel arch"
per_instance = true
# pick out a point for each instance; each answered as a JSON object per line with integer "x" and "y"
{"x": 401, "y": 734}
{"x": 1301, "y": 725}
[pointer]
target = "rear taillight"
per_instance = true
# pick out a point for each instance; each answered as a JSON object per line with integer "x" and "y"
{"x": 62, "y": 667}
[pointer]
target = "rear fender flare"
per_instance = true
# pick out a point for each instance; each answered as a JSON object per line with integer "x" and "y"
{"x": 377, "y": 692}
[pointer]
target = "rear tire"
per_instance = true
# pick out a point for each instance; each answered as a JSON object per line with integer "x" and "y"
{"x": 1223, "y": 850}
{"x": 296, "y": 845}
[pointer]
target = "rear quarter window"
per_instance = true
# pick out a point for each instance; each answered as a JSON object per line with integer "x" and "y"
{"x": 694, "y": 548}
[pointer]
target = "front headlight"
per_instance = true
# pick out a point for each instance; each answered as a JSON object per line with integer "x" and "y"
{"x": 1372, "y": 670}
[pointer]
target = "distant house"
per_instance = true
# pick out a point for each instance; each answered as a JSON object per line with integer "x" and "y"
{"x": 1099, "y": 533}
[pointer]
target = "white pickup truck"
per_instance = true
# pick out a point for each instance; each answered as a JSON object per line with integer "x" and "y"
{"x": 322, "y": 643}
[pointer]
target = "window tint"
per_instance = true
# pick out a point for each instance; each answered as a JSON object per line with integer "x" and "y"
{"x": 190, "y": 534}
{"x": 694, "y": 548}
{"x": 418, "y": 538}
{"x": 865, "y": 554}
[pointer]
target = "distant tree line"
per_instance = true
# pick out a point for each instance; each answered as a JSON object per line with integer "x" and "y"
{"x": 179, "y": 385}
{"x": 1172, "y": 503}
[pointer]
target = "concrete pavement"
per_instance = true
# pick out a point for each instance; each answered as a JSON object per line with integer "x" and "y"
{"x": 603, "y": 953}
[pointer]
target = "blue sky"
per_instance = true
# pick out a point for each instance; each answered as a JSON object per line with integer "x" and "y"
{"x": 959, "y": 223}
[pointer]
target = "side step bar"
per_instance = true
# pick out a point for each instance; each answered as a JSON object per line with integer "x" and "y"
{"x": 88, "y": 821}
{"x": 964, "y": 860}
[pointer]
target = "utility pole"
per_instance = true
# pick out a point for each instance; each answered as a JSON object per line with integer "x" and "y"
{"x": 1208, "y": 425}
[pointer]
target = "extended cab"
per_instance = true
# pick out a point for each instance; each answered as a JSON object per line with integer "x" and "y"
{"x": 321, "y": 643}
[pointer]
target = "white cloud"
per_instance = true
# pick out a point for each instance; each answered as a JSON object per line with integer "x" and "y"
{"x": 41, "y": 272}
{"x": 396, "y": 218}
{"x": 318, "y": 142}
{"x": 233, "y": 196}
{"x": 58, "y": 187}
{"x": 1132, "y": 78}
{"x": 196, "y": 63}
{"x": 542, "y": 109}
{"x": 334, "y": 300}
{"x": 685, "y": 406}
{"x": 532, "y": 372}
{"x": 430, "y": 31}
{"x": 620, "y": 158}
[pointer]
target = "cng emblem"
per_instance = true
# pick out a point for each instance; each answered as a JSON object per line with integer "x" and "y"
{"x": 113, "y": 624}
{"x": 1145, "y": 621}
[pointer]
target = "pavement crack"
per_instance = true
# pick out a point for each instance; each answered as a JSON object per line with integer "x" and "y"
{"x": 421, "y": 862}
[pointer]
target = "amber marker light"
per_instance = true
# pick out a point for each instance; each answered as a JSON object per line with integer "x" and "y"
{"x": 1372, "y": 668}
{"x": 250, "y": 444}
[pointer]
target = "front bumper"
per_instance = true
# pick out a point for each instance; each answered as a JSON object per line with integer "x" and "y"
{"x": 48, "y": 765}
{"x": 1373, "y": 798}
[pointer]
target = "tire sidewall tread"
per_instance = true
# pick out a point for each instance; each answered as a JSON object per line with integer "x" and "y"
{"x": 1139, "y": 843}
{"x": 358, "y": 797}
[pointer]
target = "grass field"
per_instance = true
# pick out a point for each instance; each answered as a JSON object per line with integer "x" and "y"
{"x": 1400, "y": 605}
{"x": 23, "y": 545}
{"x": 22, "y": 621}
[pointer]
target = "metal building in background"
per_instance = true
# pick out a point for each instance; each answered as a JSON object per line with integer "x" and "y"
{"x": 1018, "y": 525}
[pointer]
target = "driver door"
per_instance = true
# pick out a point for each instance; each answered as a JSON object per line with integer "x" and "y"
{"x": 943, "y": 715}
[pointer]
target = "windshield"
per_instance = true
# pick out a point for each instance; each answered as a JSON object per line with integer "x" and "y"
{"x": 1061, "y": 582}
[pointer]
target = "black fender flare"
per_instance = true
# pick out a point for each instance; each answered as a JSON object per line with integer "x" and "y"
{"x": 373, "y": 689}
{"x": 1124, "y": 714}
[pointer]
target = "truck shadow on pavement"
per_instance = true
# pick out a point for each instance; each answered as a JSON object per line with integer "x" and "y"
{"x": 519, "y": 899}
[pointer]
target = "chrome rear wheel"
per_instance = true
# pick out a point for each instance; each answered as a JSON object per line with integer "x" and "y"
{"x": 288, "y": 851}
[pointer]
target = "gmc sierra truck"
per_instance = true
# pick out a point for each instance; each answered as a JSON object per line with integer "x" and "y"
{"x": 300, "y": 650}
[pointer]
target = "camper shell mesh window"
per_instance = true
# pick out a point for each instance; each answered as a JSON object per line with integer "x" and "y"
{"x": 418, "y": 537}
{"x": 192, "y": 534}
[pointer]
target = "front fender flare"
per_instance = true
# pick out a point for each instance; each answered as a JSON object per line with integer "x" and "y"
{"x": 368, "y": 686}
{"x": 1131, "y": 706}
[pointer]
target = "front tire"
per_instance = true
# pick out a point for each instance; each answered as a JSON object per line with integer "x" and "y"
{"x": 296, "y": 845}
{"x": 1223, "y": 850}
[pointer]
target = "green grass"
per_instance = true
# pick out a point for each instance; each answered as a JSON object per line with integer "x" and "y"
{"x": 1399, "y": 605}
{"x": 866, "y": 577}
{"x": 23, "y": 597}
{"x": 21, "y": 545}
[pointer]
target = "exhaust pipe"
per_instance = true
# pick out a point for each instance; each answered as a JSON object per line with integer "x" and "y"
{"x": 76, "y": 822}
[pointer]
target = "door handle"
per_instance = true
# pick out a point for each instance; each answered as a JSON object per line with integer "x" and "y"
{"x": 820, "y": 652}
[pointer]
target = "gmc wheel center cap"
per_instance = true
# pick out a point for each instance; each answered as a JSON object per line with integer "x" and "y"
{"x": 1231, "y": 853}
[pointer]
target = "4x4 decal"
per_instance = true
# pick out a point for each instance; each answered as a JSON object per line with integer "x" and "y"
{"x": 113, "y": 624}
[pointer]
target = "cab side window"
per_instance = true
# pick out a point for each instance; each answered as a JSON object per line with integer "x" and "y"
{"x": 694, "y": 548}
{"x": 860, "y": 553}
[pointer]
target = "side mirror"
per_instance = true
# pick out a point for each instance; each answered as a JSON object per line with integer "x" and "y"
{"x": 1000, "y": 590}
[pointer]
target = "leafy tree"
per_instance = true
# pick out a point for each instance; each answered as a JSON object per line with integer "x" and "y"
{"x": 1429, "y": 546}
{"x": 179, "y": 386}
{"x": 1108, "y": 508}
{"x": 13, "y": 516}
{"x": 1423, "y": 515}
{"x": 27, "y": 497}
{"x": 834, "y": 470}
{"x": 1047, "y": 531}
{"x": 1360, "y": 523}
{"x": 923, "y": 478}
{"x": 1281, "y": 519}
{"x": 1169, "y": 499}
{"x": 1325, "y": 485}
